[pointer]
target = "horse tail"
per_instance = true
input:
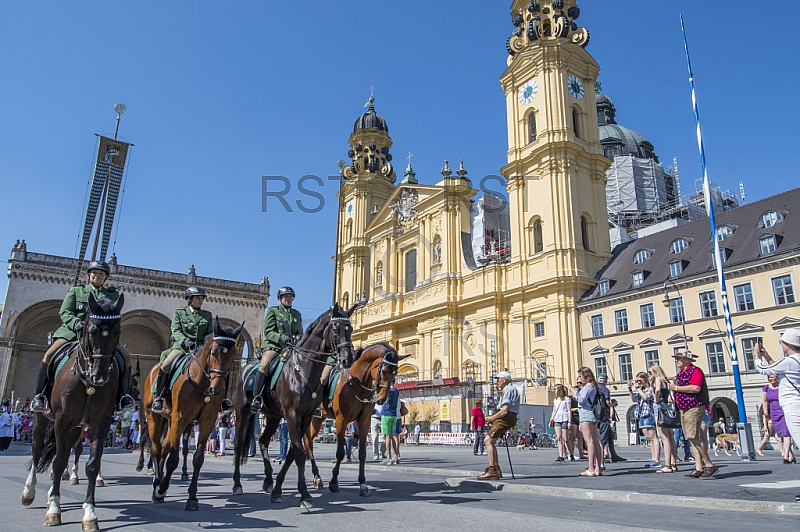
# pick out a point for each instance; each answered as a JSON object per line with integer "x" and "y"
{"x": 245, "y": 441}
{"x": 48, "y": 448}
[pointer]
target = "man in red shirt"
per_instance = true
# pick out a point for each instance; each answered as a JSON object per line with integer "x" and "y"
{"x": 477, "y": 422}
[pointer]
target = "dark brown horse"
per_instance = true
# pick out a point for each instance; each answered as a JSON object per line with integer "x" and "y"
{"x": 295, "y": 397}
{"x": 84, "y": 393}
{"x": 358, "y": 390}
{"x": 196, "y": 396}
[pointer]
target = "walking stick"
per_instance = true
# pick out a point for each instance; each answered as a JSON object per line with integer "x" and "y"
{"x": 511, "y": 467}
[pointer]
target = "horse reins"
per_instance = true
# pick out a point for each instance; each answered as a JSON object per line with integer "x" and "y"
{"x": 208, "y": 372}
{"x": 377, "y": 386}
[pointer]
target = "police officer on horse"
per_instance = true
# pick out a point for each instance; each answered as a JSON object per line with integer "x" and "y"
{"x": 283, "y": 325}
{"x": 73, "y": 316}
{"x": 190, "y": 326}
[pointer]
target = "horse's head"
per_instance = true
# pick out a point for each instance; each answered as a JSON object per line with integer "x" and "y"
{"x": 100, "y": 338}
{"x": 386, "y": 372}
{"x": 337, "y": 335}
{"x": 221, "y": 348}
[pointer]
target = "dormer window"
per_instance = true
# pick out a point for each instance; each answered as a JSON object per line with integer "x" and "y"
{"x": 679, "y": 245}
{"x": 768, "y": 219}
{"x": 768, "y": 244}
{"x": 642, "y": 255}
{"x": 603, "y": 287}
{"x": 675, "y": 268}
{"x": 637, "y": 278}
{"x": 724, "y": 232}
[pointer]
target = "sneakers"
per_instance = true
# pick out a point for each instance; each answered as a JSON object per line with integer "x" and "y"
{"x": 477, "y": 454}
{"x": 572, "y": 458}
{"x": 483, "y": 453}
{"x": 397, "y": 460}
{"x": 560, "y": 459}
{"x": 375, "y": 458}
{"x": 688, "y": 458}
{"x": 652, "y": 463}
{"x": 387, "y": 461}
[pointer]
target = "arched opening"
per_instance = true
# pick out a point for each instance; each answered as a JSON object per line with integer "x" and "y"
{"x": 29, "y": 341}
{"x": 538, "y": 239}
{"x": 576, "y": 123}
{"x": 531, "y": 127}
{"x": 585, "y": 234}
{"x": 437, "y": 369}
{"x": 722, "y": 407}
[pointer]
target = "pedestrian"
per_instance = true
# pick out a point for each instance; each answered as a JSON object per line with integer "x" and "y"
{"x": 389, "y": 414}
{"x": 788, "y": 369}
{"x": 378, "y": 452}
{"x": 125, "y": 428}
{"x": 532, "y": 432}
{"x": 574, "y": 425}
{"x": 417, "y": 432}
{"x": 404, "y": 436}
{"x": 212, "y": 439}
{"x": 604, "y": 425}
{"x": 135, "y": 435}
{"x": 587, "y": 397}
{"x": 691, "y": 398}
{"x": 502, "y": 421}
{"x": 661, "y": 395}
{"x": 6, "y": 429}
{"x": 641, "y": 392}
{"x": 774, "y": 423}
{"x": 350, "y": 440}
{"x": 25, "y": 434}
{"x": 477, "y": 421}
{"x": 559, "y": 420}
{"x": 224, "y": 423}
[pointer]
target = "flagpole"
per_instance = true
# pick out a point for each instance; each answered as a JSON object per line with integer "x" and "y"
{"x": 747, "y": 447}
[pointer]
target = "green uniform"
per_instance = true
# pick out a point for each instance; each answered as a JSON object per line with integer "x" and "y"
{"x": 194, "y": 325}
{"x": 278, "y": 321}
{"x": 76, "y": 307}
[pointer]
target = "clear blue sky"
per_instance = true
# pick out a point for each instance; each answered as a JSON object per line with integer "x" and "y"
{"x": 222, "y": 93}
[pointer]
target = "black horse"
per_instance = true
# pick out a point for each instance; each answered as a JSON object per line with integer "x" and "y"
{"x": 83, "y": 393}
{"x": 296, "y": 396}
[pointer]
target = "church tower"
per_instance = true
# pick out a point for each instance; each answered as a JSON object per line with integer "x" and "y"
{"x": 555, "y": 171}
{"x": 369, "y": 181}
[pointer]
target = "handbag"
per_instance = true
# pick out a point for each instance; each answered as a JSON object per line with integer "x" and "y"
{"x": 403, "y": 409}
{"x": 668, "y": 416}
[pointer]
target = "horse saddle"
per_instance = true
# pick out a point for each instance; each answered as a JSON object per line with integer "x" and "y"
{"x": 330, "y": 388}
{"x": 174, "y": 372}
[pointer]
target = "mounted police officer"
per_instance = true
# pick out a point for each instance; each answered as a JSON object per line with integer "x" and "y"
{"x": 283, "y": 326}
{"x": 73, "y": 316}
{"x": 190, "y": 326}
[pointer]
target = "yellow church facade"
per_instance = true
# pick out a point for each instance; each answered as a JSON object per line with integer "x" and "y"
{"x": 406, "y": 247}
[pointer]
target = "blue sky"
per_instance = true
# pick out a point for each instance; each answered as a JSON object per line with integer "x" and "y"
{"x": 220, "y": 94}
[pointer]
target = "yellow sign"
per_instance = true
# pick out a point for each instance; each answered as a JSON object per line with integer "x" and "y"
{"x": 444, "y": 410}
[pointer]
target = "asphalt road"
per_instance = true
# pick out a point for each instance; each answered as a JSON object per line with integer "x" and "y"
{"x": 406, "y": 496}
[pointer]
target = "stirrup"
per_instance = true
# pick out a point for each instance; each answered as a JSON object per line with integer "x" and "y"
{"x": 39, "y": 404}
{"x": 226, "y": 406}
{"x": 126, "y": 403}
{"x": 158, "y": 405}
{"x": 255, "y": 407}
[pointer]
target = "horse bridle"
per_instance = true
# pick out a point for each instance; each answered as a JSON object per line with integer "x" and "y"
{"x": 84, "y": 361}
{"x": 335, "y": 349}
{"x": 375, "y": 390}
{"x": 209, "y": 372}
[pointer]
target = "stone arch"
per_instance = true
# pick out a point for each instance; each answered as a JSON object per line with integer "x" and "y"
{"x": 724, "y": 407}
{"x": 535, "y": 235}
{"x": 586, "y": 232}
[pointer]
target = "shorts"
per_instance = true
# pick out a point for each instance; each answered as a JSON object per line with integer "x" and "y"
{"x": 563, "y": 425}
{"x": 691, "y": 419}
{"x": 647, "y": 422}
{"x": 586, "y": 415}
{"x": 502, "y": 425}
{"x": 388, "y": 424}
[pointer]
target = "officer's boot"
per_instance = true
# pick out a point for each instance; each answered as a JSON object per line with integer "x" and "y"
{"x": 326, "y": 373}
{"x": 39, "y": 403}
{"x": 125, "y": 401}
{"x": 161, "y": 388}
{"x": 258, "y": 389}
{"x": 227, "y": 405}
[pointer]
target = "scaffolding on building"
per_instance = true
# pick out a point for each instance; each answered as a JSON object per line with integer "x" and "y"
{"x": 491, "y": 230}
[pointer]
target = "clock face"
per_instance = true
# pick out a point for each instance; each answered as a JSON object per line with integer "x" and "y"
{"x": 350, "y": 208}
{"x": 575, "y": 87}
{"x": 528, "y": 92}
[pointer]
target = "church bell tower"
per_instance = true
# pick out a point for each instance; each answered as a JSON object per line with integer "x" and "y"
{"x": 556, "y": 169}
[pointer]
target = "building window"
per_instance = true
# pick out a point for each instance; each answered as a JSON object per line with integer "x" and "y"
{"x": 600, "y": 366}
{"x": 597, "y": 325}
{"x": 724, "y": 232}
{"x": 722, "y": 253}
{"x": 675, "y": 268}
{"x": 743, "y": 294}
{"x": 585, "y": 234}
{"x": 642, "y": 255}
{"x": 782, "y": 288}
{"x": 538, "y": 242}
{"x": 637, "y": 278}
{"x": 676, "y": 314}
{"x": 538, "y": 329}
{"x": 575, "y": 126}
{"x": 651, "y": 358}
{"x": 716, "y": 357}
{"x": 749, "y": 345}
{"x": 625, "y": 367}
{"x": 708, "y": 304}
{"x": 411, "y": 270}
{"x": 531, "y": 127}
{"x": 768, "y": 219}
{"x": 604, "y": 287}
{"x": 678, "y": 245}
{"x": 767, "y": 244}
{"x": 621, "y": 320}
{"x": 648, "y": 314}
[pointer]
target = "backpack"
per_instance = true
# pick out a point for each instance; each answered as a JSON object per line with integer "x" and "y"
{"x": 599, "y": 407}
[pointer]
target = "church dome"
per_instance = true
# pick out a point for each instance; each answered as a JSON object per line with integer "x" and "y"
{"x": 618, "y": 140}
{"x": 371, "y": 120}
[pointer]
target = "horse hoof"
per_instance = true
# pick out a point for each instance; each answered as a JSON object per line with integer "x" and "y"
{"x": 267, "y": 487}
{"x": 27, "y": 501}
{"x": 151, "y": 471}
{"x": 91, "y": 526}
{"x": 65, "y": 475}
{"x": 185, "y": 477}
{"x": 333, "y": 487}
{"x": 276, "y": 497}
{"x": 74, "y": 481}
{"x": 318, "y": 484}
{"x": 139, "y": 468}
{"x": 100, "y": 483}
{"x": 192, "y": 506}
{"x": 364, "y": 492}
{"x": 238, "y": 490}
{"x": 306, "y": 504}
{"x": 52, "y": 520}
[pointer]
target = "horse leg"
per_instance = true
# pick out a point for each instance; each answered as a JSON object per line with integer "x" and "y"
{"x": 363, "y": 489}
{"x": 89, "y": 520}
{"x": 192, "y": 505}
{"x": 316, "y": 423}
{"x": 277, "y": 491}
{"x": 185, "y": 452}
{"x": 37, "y": 448}
{"x": 74, "y": 479}
{"x": 263, "y": 445}
{"x": 172, "y": 458}
{"x": 156, "y": 450}
{"x": 296, "y": 436}
{"x": 63, "y": 450}
{"x": 244, "y": 423}
{"x": 143, "y": 431}
{"x": 341, "y": 426}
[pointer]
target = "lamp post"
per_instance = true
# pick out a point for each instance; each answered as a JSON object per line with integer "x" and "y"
{"x": 667, "y": 301}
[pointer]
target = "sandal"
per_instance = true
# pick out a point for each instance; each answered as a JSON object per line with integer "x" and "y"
{"x": 587, "y": 473}
{"x": 694, "y": 474}
{"x": 674, "y": 468}
{"x": 665, "y": 469}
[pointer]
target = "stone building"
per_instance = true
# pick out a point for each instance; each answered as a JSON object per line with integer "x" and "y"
{"x": 37, "y": 284}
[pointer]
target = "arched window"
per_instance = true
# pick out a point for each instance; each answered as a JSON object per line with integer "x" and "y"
{"x": 770, "y": 218}
{"x": 679, "y": 245}
{"x": 575, "y": 125}
{"x": 532, "y": 127}
{"x": 642, "y": 255}
{"x": 585, "y": 234}
{"x": 538, "y": 241}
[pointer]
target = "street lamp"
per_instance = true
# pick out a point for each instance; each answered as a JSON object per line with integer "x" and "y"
{"x": 667, "y": 301}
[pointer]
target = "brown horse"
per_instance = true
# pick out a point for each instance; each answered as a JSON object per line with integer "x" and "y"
{"x": 358, "y": 389}
{"x": 295, "y": 397}
{"x": 196, "y": 396}
{"x": 84, "y": 393}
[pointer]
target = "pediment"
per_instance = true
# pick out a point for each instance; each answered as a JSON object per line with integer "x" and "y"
{"x": 622, "y": 346}
{"x": 598, "y": 350}
{"x": 785, "y": 323}
{"x": 677, "y": 339}
{"x": 748, "y": 328}
{"x": 711, "y": 333}
{"x": 649, "y": 342}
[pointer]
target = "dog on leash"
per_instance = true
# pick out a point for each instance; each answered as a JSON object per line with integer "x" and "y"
{"x": 722, "y": 442}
